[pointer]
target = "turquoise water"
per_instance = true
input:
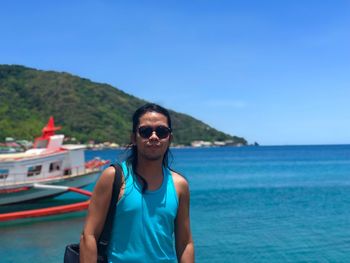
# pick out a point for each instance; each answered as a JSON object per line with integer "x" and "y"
{"x": 248, "y": 204}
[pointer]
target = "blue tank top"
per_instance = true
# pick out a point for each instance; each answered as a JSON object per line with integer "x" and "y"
{"x": 143, "y": 230}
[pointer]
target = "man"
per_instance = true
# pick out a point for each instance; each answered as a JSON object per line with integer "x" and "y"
{"x": 153, "y": 201}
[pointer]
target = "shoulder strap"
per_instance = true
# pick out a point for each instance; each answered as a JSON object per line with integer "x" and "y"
{"x": 106, "y": 232}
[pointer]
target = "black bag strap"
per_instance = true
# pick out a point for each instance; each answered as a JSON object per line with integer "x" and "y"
{"x": 106, "y": 232}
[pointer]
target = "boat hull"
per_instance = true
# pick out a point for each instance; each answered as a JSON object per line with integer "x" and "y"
{"x": 26, "y": 193}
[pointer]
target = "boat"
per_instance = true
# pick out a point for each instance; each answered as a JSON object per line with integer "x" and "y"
{"x": 48, "y": 169}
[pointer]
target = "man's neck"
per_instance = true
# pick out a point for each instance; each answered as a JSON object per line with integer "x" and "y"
{"x": 149, "y": 169}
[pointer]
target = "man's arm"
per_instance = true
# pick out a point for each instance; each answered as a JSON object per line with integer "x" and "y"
{"x": 96, "y": 217}
{"x": 183, "y": 236}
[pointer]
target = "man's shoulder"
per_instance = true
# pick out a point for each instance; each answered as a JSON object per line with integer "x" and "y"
{"x": 180, "y": 181}
{"x": 107, "y": 177}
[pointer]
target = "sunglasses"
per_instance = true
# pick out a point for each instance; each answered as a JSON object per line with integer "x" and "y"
{"x": 162, "y": 132}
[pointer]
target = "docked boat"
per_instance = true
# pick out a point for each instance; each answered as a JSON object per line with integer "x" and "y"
{"x": 48, "y": 169}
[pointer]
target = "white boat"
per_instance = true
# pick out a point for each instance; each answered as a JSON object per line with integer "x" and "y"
{"x": 49, "y": 162}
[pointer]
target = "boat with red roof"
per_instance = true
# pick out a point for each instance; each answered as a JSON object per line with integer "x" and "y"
{"x": 49, "y": 168}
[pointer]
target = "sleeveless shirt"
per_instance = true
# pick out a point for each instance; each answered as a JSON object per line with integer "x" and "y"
{"x": 143, "y": 228}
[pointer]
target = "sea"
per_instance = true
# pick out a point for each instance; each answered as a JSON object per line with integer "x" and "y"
{"x": 248, "y": 204}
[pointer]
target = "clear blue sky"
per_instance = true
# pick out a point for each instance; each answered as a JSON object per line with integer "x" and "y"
{"x": 275, "y": 72}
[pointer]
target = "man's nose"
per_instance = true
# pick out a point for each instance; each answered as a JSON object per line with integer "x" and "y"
{"x": 154, "y": 136}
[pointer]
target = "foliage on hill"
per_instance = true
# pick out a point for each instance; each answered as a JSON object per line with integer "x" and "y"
{"x": 85, "y": 110}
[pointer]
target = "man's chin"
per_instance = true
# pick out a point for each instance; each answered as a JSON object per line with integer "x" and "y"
{"x": 152, "y": 157}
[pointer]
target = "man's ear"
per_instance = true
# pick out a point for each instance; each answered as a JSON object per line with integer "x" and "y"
{"x": 133, "y": 138}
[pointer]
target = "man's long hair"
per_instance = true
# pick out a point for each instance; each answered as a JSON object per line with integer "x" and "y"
{"x": 131, "y": 160}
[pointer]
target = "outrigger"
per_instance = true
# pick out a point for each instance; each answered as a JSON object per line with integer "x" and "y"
{"x": 50, "y": 210}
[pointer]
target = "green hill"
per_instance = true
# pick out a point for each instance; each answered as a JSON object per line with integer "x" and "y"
{"x": 86, "y": 110}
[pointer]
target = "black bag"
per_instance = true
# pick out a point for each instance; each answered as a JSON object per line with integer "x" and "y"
{"x": 71, "y": 255}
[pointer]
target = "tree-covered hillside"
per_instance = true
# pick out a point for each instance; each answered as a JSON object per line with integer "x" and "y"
{"x": 86, "y": 110}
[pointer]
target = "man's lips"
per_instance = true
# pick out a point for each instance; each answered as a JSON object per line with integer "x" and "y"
{"x": 153, "y": 145}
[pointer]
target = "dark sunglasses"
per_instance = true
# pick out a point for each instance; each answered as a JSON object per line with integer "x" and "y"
{"x": 162, "y": 132}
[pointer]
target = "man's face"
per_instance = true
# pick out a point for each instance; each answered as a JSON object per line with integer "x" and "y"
{"x": 152, "y": 147}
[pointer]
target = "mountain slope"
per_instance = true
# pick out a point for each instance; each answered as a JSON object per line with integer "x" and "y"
{"x": 86, "y": 110}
